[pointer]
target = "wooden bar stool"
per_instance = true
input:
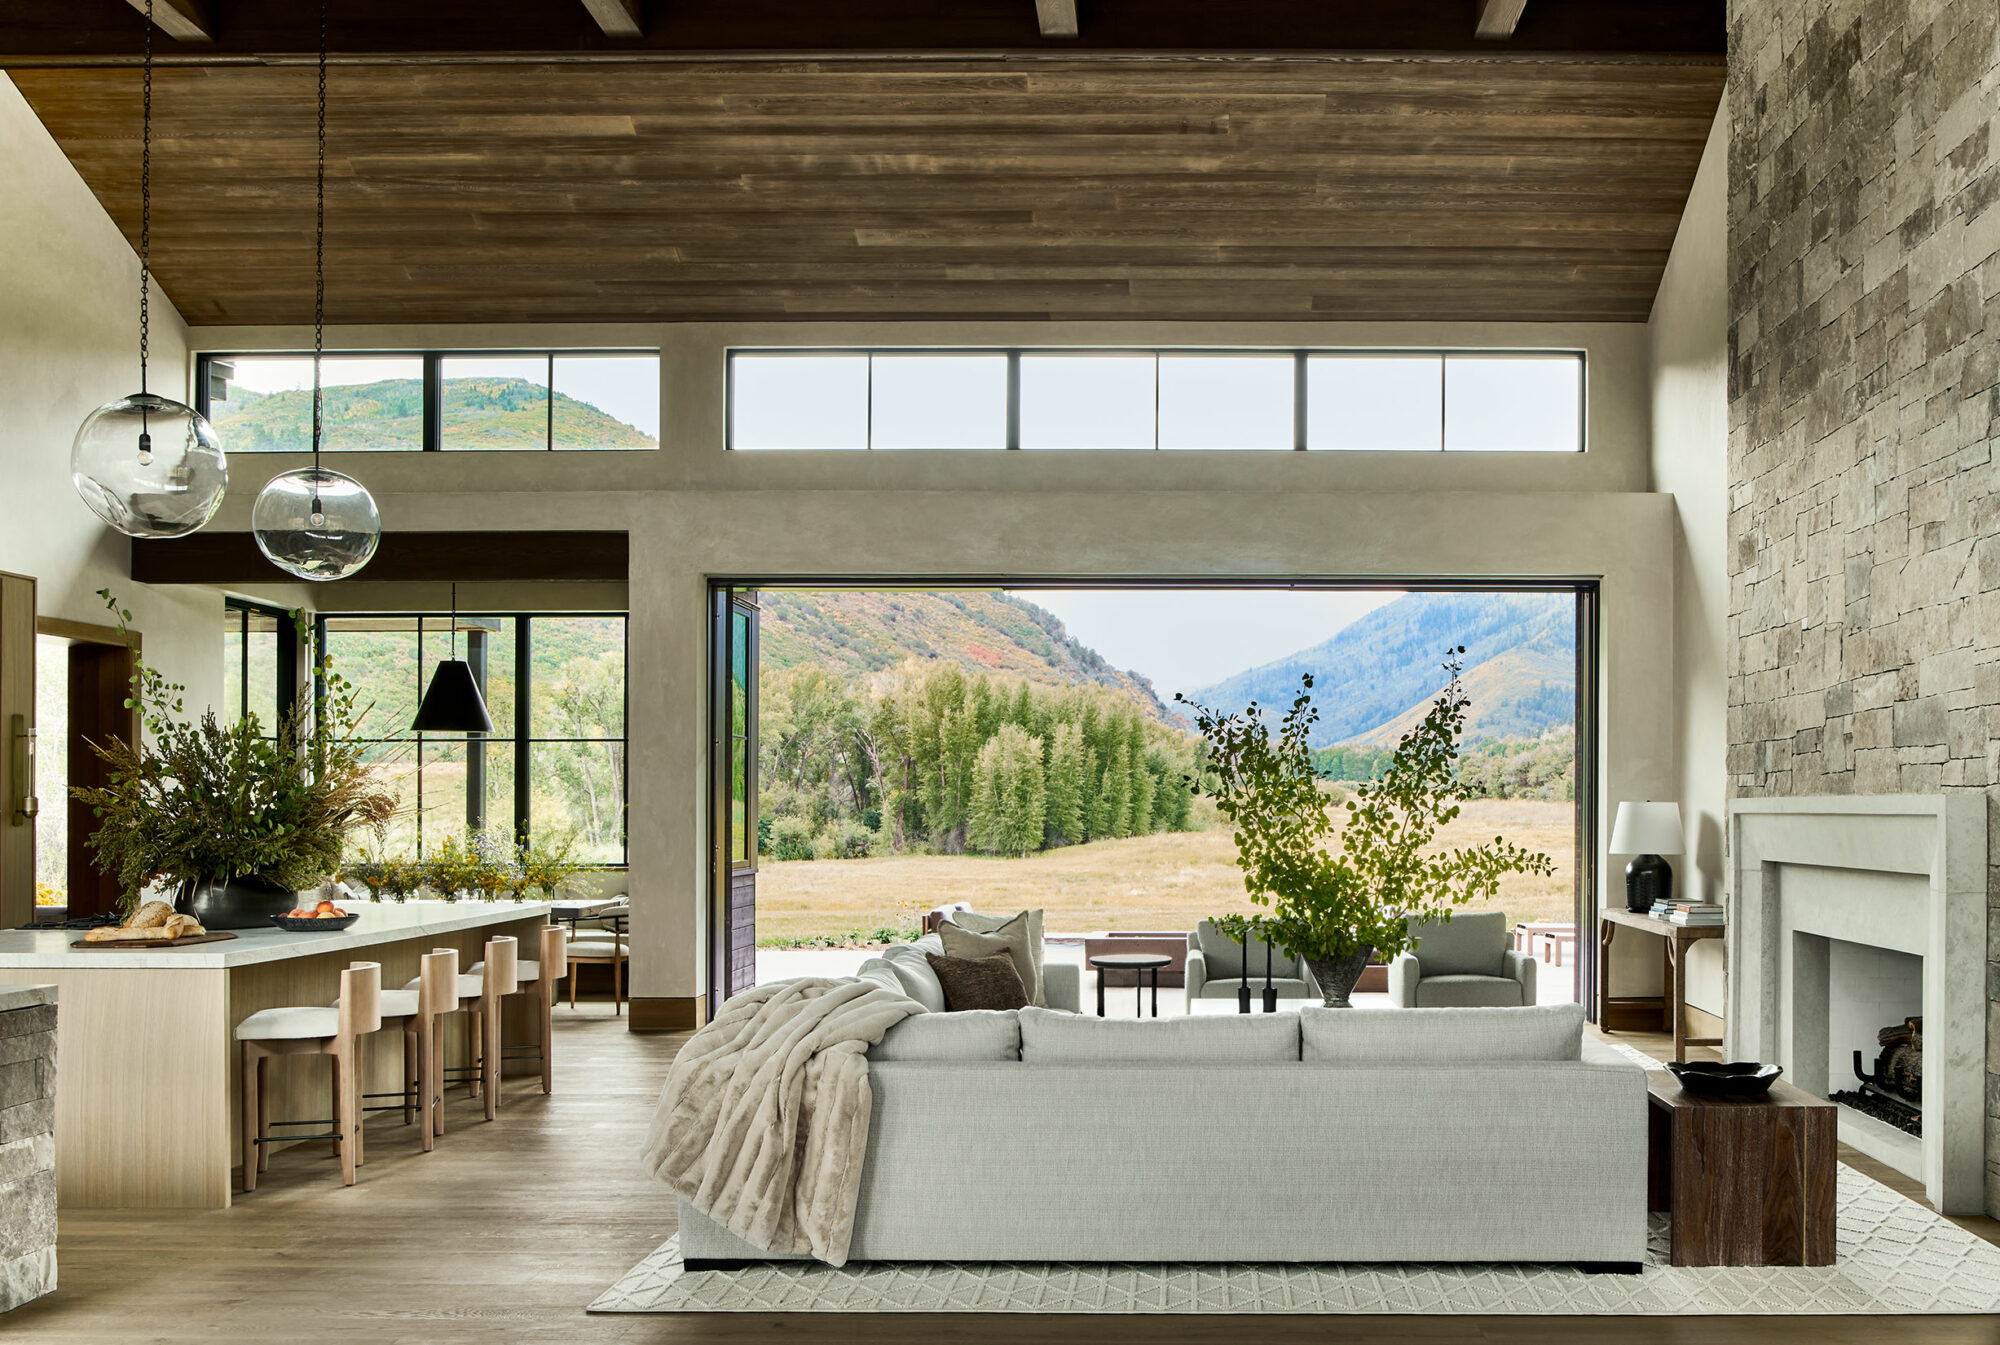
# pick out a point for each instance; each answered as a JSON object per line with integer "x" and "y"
{"x": 419, "y": 1009}
{"x": 537, "y": 980}
{"x": 592, "y": 948}
{"x": 309, "y": 1030}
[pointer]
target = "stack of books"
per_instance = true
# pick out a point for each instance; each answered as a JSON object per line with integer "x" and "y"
{"x": 1687, "y": 912}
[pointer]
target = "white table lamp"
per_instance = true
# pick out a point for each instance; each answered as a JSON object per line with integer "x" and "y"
{"x": 1647, "y": 831}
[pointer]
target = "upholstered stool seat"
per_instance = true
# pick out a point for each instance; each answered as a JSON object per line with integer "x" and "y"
{"x": 524, "y": 971}
{"x": 397, "y": 1003}
{"x": 596, "y": 948}
{"x": 469, "y": 984}
{"x": 291, "y": 1024}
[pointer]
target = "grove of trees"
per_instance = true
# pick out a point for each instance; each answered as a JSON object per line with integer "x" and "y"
{"x": 925, "y": 758}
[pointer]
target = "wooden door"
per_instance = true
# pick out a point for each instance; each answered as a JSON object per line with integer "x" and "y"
{"x": 17, "y": 762}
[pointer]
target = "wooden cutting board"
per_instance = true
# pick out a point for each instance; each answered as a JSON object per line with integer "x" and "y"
{"x": 129, "y": 944}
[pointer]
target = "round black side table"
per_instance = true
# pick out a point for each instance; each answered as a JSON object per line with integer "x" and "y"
{"x": 1135, "y": 963}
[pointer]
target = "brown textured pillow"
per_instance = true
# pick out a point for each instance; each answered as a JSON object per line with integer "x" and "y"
{"x": 979, "y": 982}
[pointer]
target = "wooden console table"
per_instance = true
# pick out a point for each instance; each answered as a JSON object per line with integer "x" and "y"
{"x": 1744, "y": 1181}
{"x": 1674, "y": 971}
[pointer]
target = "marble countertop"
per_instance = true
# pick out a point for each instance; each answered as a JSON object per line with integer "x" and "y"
{"x": 14, "y": 997}
{"x": 50, "y": 948}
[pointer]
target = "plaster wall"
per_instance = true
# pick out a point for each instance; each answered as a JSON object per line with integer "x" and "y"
{"x": 1689, "y": 359}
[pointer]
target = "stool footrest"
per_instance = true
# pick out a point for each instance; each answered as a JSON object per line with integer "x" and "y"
{"x": 287, "y": 1139}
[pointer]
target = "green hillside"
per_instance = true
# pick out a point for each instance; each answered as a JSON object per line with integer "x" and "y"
{"x": 493, "y": 413}
{"x": 858, "y": 634}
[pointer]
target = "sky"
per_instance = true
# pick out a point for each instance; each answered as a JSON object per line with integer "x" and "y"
{"x": 1184, "y": 639}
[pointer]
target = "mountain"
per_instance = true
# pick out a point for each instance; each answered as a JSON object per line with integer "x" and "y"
{"x": 477, "y": 412}
{"x": 1377, "y": 676}
{"x": 856, "y": 632}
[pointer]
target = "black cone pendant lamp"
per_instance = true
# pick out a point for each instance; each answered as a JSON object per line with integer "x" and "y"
{"x": 453, "y": 703}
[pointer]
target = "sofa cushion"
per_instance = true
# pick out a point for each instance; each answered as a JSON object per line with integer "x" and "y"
{"x": 979, "y": 982}
{"x": 920, "y": 983}
{"x": 972, "y": 1034}
{"x": 993, "y": 924}
{"x": 1009, "y": 937}
{"x": 1438, "y": 1036}
{"x": 1052, "y": 1038}
{"x": 1469, "y": 944}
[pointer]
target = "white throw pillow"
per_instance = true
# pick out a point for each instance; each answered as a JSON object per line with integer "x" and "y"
{"x": 1010, "y": 937}
{"x": 989, "y": 924}
{"x": 920, "y": 983}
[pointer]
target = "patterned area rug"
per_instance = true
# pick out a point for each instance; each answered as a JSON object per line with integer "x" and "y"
{"x": 1895, "y": 1257}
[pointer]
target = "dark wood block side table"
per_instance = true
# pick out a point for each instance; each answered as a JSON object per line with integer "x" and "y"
{"x": 1744, "y": 1181}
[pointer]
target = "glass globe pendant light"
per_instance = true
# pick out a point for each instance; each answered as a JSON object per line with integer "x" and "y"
{"x": 311, "y": 522}
{"x": 148, "y": 465}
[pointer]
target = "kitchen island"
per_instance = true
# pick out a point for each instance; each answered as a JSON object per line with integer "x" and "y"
{"x": 148, "y": 1106}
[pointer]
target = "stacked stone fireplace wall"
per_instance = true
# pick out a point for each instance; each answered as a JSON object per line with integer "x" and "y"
{"x": 1864, "y": 390}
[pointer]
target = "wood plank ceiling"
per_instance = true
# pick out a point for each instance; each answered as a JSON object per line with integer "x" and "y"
{"x": 1393, "y": 186}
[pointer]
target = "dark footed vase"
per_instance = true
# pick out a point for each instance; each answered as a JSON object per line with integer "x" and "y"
{"x": 236, "y": 903}
{"x": 1336, "y": 979}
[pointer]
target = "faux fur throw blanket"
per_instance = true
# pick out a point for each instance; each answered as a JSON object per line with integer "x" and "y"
{"x": 764, "y": 1119}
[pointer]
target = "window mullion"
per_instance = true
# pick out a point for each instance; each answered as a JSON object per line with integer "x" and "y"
{"x": 524, "y": 693}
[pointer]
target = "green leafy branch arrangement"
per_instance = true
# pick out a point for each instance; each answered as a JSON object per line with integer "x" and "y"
{"x": 482, "y": 865}
{"x": 199, "y": 800}
{"x": 1336, "y": 893}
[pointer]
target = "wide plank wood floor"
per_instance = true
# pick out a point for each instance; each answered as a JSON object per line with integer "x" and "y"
{"x": 508, "y": 1229}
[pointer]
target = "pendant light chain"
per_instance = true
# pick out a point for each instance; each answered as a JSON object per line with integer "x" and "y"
{"x": 146, "y": 203}
{"x": 319, "y": 248}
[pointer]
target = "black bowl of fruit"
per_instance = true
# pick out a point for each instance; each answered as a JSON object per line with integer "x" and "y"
{"x": 1736, "y": 1078}
{"x": 315, "y": 919}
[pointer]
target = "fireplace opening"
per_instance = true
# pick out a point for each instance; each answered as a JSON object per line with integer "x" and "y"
{"x": 1893, "y": 1091}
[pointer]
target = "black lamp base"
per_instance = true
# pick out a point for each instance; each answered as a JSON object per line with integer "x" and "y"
{"x": 1648, "y": 879}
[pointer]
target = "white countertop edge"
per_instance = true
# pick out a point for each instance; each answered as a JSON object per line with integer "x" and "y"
{"x": 380, "y": 923}
{"x": 14, "y": 997}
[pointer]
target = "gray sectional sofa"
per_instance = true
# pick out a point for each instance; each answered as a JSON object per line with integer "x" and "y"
{"x": 1324, "y": 1135}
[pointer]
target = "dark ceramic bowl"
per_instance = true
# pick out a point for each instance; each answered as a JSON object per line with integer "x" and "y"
{"x": 1738, "y": 1078}
{"x": 315, "y": 924}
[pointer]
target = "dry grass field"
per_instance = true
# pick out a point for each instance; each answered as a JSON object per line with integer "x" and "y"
{"x": 1163, "y": 882}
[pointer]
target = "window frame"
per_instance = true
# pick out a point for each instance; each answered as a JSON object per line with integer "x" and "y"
{"x": 518, "y": 734}
{"x": 286, "y": 670}
{"x": 433, "y": 379}
{"x": 1301, "y": 411}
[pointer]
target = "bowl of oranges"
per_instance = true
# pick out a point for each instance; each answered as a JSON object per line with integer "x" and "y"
{"x": 315, "y": 919}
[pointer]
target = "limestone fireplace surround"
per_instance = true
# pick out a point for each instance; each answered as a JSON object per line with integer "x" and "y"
{"x": 1904, "y": 872}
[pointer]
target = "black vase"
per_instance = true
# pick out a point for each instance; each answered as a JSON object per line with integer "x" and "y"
{"x": 236, "y": 903}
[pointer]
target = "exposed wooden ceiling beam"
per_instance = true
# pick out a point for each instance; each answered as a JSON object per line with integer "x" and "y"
{"x": 182, "y": 20}
{"x": 64, "y": 33}
{"x": 1499, "y": 18}
{"x": 618, "y": 18}
{"x": 1057, "y": 18}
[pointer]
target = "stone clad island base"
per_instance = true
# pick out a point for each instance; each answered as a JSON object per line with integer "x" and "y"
{"x": 27, "y": 1144}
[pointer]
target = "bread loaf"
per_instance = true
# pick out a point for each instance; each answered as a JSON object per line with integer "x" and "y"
{"x": 105, "y": 934}
{"x": 149, "y": 915}
{"x": 181, "y": 926}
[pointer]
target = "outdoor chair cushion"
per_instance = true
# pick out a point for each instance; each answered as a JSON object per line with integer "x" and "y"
{"x": 1012, "y": 936}
{"x": 1469, "y": 944}
{"x": 994, "y": 924}
{"x": 1465, "y": 992}
{"x": 1226, "y": 957}
{"x": 1441, "y": 1036}
{"x": 970, "y": 1034}
{"x": 920, "y": 982}
{"x": 1052, "y": 1038}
